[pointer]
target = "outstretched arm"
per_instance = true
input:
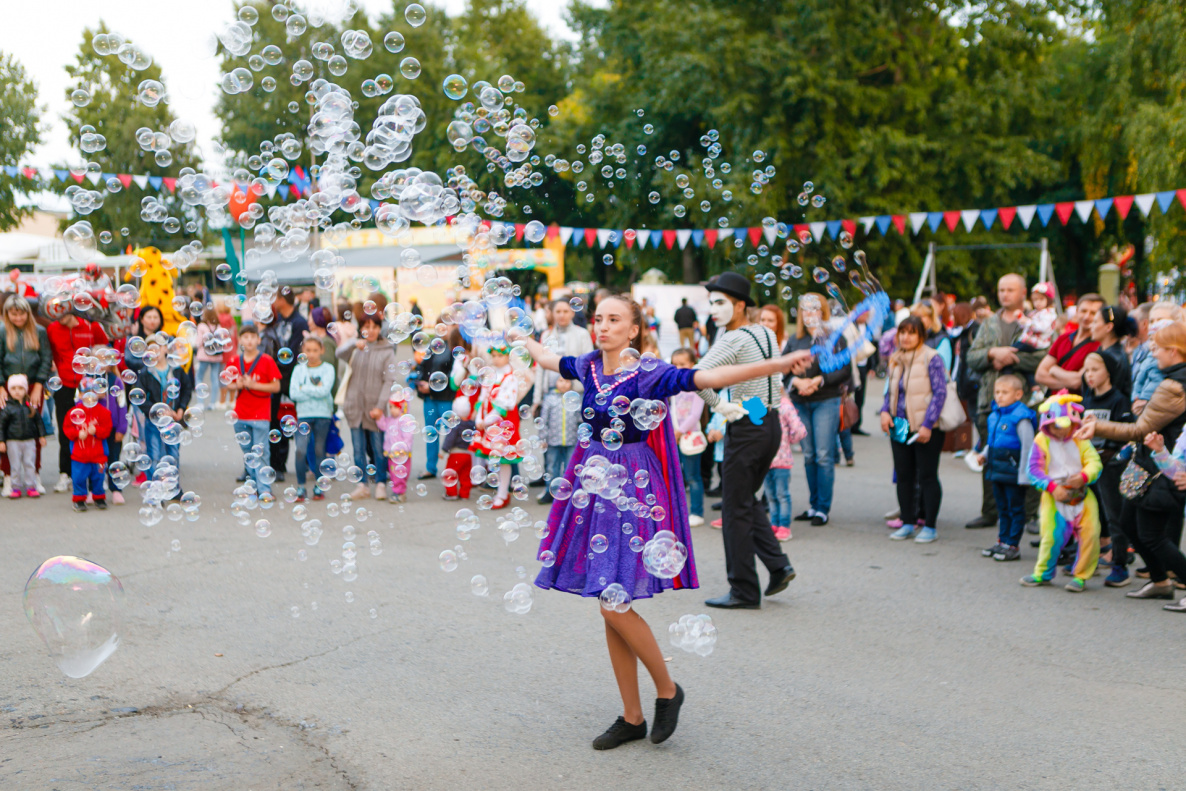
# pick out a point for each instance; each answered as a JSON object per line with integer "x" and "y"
{"x": 727, "y": 375}
{"x": 545, "y": 357}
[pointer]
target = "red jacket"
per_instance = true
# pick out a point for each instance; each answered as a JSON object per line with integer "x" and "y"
{"x": 64, "y": 341}
{"x": 93, "y": 447}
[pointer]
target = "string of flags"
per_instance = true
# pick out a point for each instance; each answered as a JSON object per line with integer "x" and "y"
{"x": 299, "y": 184}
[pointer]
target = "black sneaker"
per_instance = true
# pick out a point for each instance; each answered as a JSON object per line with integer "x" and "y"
{"x": 806, "y": 516}
{"x": 241, "y": 478}
{"x": 981, "y": 521}
{"x": 545, "y": 499}
{"x": 819, "y": 520}
{"x": 619, "y": 733}
{"x": 994, "y": 549}
{"x": 667, "y": 716}
{"x": 101, "y": 504}
{"x": 80, "y": 507}
{"x": 1007, "y": 554}
{"x": 714, "y": 492}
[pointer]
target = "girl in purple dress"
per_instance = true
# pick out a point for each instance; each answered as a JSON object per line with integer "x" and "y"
{"x": 595, "y": 543}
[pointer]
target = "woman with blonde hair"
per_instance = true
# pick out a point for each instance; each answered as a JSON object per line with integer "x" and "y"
{"x": 26, "y": 351}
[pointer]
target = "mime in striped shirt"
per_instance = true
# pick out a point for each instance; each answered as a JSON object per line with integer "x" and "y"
{"x": 751, "y": 442}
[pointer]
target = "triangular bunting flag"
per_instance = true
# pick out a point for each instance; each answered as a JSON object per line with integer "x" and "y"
{"x": 643, "y": 238}
{"x": 951, "y": 219}
{"x": 1103, "y": 206}
{"x": 988, "y": 217}
{"x": 629, "y": 235}
{"x": 710, "y": 236}
{"x": 270, "y": 189}
{"x": 141, "y": 181}
{"x": 1045, "y": 212}
{"x": 12, "y": 170}
{"x": 970, "y": 216}
{"x": 519, "y": 229}
{"x": 916, "y": 221}
{"x": 78, "y": 177}
{"x": 106, "y": 176}
{"x": 590, "y": 236}
{"x": 883, "y": 223}
{"x": 1026, "y": 214}
{"x": 170, "y": 183}
{"x": 683, "y": 235}
{"x": 1064, "y": 210}
{"x": 1182, "y": 198}
{"x": 283, "y": 189}
{"x": 565, "y": 235}
{"x": 125, "y": 179}
{"x": 698, "y": 238}
{"x": 900, "y": 223}
{"x": 1165, "y": 200}
{"x": 755, "y": 236}
{"x": 1007, "y": 213}
{"x": 771, "y": 233}
{"x": 615, "y": 238}
{"x": 656, "y": 239}
{"x": 156, "y": 182}
{"x": 65, "y": 174}
{"x": 1145, "y": 203}
{"x": 602, "y": 235}
{"x": 94, "y": 178}
{"x": 934, "y": 219}
{"x": 818, "y": 229}
{"x": 1084, "y": 208}
{"x": 552, "y": 232}
{"x": 669, "y": 238}
{"x": 29, "y": 173}
{"x": 867, "y": 224}
{"x": 833, "y": 229}
{"x": 800, "y": 230}
{"x": 725, "y": 233}
{"x": 1123, "y": 205}
{"x": 850, "y": 226}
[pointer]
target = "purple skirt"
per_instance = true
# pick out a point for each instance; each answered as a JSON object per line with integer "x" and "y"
{"x": 578, "y": 568}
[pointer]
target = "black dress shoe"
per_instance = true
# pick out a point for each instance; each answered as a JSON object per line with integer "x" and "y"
{"x": 241, "y": 478}
{"x": 713, "y": 492}
{"x": 805, "y": 516}
{"x": 619, "y": 733}
{"x": 780, "y": 579}
{"x": 538, "y": 482}
{"x": 819, "y": 520}
{"x": 666, "y": 716}
{"x": 981, "y": 521}
{"x": 426, "y": 476}
{"x": 856, "y": 432}
{"x": 545, "y": 499}
{"x": 716, "y": 506}
{"x": 731, "y": 602}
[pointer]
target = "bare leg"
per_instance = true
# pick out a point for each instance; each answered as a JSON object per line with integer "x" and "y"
{"x": 626, "y": 672}
{"x": 637, "y": 634}
{"x": 504, "y": 481}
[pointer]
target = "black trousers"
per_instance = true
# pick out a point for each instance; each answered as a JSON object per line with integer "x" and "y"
{"x": 859, "y": 396}
{"x": 1154, "y": 540}
{"x": 745, "y": 525}
{"x": 917, "y": 465}
{"x": 277, "y": 451}
{"x": 63, "y": 403}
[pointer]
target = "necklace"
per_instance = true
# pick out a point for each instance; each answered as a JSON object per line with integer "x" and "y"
{"x": 608, "y": 387}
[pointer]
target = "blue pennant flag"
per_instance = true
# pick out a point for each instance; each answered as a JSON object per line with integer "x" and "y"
{"x": 614, "y": 238}
{"x": 934, "y": 219}
{"x": 698, "y": 238}
{"x": 108, "y": 176}
{"x": 988, "y": 217}
{"x": 283, "y": 190}
{"x": 1044, "y": 213}
{"x": 578, "y": 236}
{"x": 1103, "y": 206}
{"x": 883, "y": 223}
{"x": 656, "y": 239}
{"x": 834, "y": 227}
{"x": 1165, "y": 200}
{"x": 156, "y": 182}
{"x": 62, "y": 174}
{"x": 12, "y": 170}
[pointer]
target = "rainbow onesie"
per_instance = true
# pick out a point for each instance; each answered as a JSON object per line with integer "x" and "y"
{"x": 1052, "y": 462}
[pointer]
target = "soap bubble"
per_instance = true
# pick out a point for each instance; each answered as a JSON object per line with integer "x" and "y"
{"x": 455, "y": 86}
{"x": 394, "y": 41}
{"x": 74, "y": 606}
{"x": 410, "y": 68}
{"x": 534, "y": 231}
{"x": 518, "y": 599}
{"x": 599, "y": 543}
{"x": 560, "y": 488}
{"x": 615, "y": 598}
{"x": 415, "y": 15}
{"x": 478, "y": 585}
{"x": 664, "y": 556}
{"x": 819, "y": 274}
{"x": 79, "y": 240}
{"x": 547, "y": 558}
{"x": 448, "y": 560}
{"x": 694, "y": 634}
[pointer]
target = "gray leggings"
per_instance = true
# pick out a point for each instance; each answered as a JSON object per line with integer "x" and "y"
{"x": 22, "y": 460}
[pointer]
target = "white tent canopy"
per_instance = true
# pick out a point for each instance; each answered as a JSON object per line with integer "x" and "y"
{"x": 300, "y": 270}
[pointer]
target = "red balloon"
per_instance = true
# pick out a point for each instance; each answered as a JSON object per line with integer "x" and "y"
{"x": 240, "y": 202}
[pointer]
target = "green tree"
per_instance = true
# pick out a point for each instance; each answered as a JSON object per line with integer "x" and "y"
{"x": 19, "y": 135}
{"x": 116, "y": 112}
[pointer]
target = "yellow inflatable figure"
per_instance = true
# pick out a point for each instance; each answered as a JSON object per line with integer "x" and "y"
{"x": 156, "y": 286}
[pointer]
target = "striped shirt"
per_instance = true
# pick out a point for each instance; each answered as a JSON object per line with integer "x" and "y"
{"x": 751, "y": 344}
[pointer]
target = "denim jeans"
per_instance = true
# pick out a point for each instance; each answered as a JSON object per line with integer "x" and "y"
{"x": 433, "y": 410}
{"x": 822, "y": 421}
{"x": 360, "y": 439}
{"x": 556, "y": 459}
{"x": 208, "y": 370}
{"x": 258, "y": 429}
{"x": 844, "y": 440}
{"x": 778, "y": 494}
{"x": 690, "y": 466}
{"x": 155, "y": 447}
{"x": 318, "y": 433}
{"x": 1010, "y": 499}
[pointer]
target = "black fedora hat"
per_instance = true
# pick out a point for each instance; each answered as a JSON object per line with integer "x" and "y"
{"x": 734, "y": 284}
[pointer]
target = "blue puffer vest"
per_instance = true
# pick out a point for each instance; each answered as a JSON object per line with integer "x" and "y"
{"x": 1004, "y": 445}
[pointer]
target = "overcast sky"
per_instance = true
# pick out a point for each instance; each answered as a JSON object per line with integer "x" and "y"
{"x": 44, "y": 35}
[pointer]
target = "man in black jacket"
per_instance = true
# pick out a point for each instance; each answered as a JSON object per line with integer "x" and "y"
{"x": 287, "y": 331}
{"x": 437, "y": 399}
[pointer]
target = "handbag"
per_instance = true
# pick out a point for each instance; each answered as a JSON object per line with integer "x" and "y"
{"x": 693, "y": 443}
{"x": 1135, "y": 480}
{"x": 850, "y": 413}
{"x": 340, "y": 397}
{"x": 952, "y": 415}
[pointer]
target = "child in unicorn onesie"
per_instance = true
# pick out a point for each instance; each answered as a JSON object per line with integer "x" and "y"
{"x": 1062, "y": 468}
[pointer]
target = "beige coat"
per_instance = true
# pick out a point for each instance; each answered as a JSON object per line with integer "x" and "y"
{"x": 372, "y": 373}
{"x": 914, "y": 366}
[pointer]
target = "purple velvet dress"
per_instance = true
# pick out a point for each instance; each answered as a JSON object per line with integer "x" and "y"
{"x": 578, "y": 568}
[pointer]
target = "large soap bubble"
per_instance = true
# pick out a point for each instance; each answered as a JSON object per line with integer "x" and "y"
{"x": 694, "y": 634}
{"x": 664, "y": 556}
{"x": 74, "y": 606}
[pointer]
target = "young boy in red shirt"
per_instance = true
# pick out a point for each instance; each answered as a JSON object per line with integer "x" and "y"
{"x": 87, "y": 426}
{"x": 257, "y": 377}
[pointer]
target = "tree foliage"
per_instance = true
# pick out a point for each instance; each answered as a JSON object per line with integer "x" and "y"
{"x": 19, "y": 135}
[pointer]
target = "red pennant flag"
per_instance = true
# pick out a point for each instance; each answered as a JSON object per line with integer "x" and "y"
{"x": 850, "y": 226}
{"x": 800, "y": 230}
{"x": 669, "y": 238}
{"x": 125, "y": 179}
{"x": 78, "y": 177}
{"x": 171, "y": 184}
{"x": 300, "y": 172}
{"x": 1006, "y": 215}
{"x": 1064, "y": 211}
{"x": 900, "y": 223}
{"x": 553, "y": 231}
{"x": 590, "y": 236}
{"x": 1123, "y": 205}
{"x": 755, "y": 235}
{"x": 519, "y": 228}
{"x": 1182, "y": 198}
{"x": 629, "y": 236}
{"x": 951, "y": 219}
{"x": 30, "y": 173}
{"x": 710, "y": 236}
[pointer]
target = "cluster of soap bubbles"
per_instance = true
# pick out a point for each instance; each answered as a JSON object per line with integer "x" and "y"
{"x": 75, "y": 607}
{"x": 664, "y": 555}
{"x": 694, "y": 634}
{"x": 518, "y": 599}
{"x": 615, "y": 598}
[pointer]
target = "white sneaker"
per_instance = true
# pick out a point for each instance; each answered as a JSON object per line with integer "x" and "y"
{"x": 6, "y": 491}
{"x": 64, "y": 484}
{"x": 40, "y": 486}
{"x": 380, "y": 491}
{"x": 695, "y": 521}
{"x": 361, "y": 492}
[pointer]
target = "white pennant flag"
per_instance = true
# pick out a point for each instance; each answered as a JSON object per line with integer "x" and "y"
{"x": 1145, "y": 203}
{"x": 270, "y": 188}
{"x": 917, "y": 219}
{"x": 724, "y": 233}
{"x": 1026, "y": 215}
{"x": 818, "y": 229}
{"x": 642, "y": 238}
{"x": 770, "y": 233}
{"x": 603, "y": 235}
{"x": 970, "y": 216}
{"x": 94, "y": 178}
{"x": 565, "y": 235}
{"x": 682, "y": 236}
{"x": 867, "y": 223}
{"x": 141, "y": 181}
{"x": 1083, "y": 209}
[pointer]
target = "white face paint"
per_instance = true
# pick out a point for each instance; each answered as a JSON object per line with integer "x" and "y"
{"x": 720, "y": 308}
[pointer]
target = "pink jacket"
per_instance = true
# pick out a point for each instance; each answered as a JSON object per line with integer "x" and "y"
{"x": 793, "y": 431}
{"x": 685, "y": 412}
